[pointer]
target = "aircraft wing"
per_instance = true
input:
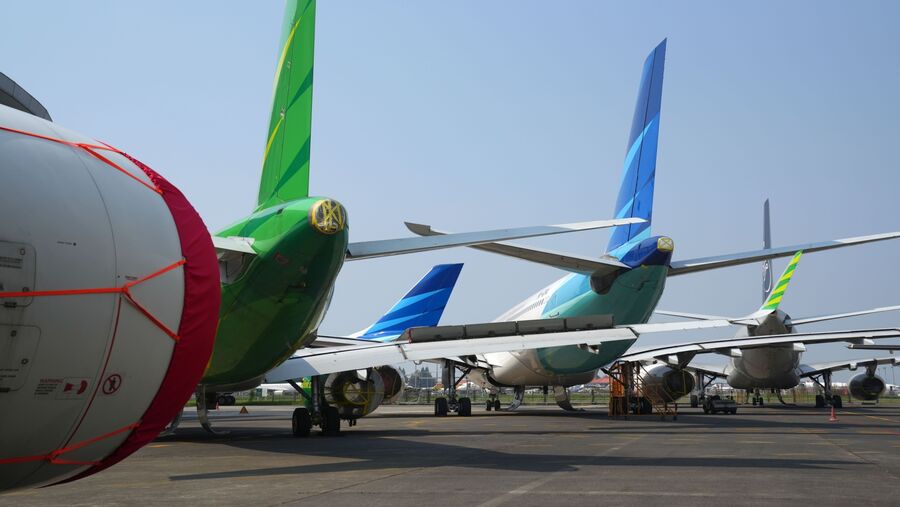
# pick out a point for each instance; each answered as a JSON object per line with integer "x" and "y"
{"x": 809, "y": 370}
{"x": 382, "y": 248}
{"x": 322, "y": 361}
{"x": 681, "y": 354}
{"x": 721, "y": 261}
{"x": 567, "y": 262}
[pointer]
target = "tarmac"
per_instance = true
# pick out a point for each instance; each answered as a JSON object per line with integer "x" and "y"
{"x": 543, "y": 456}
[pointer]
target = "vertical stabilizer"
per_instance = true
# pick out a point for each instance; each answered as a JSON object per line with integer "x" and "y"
{"x": 423, "y": 305}
{"x": 639, "y": 171}
{"x": 285, "y": 174}
{"x": 767, "y": 243}
{"x": 771, "y": 303}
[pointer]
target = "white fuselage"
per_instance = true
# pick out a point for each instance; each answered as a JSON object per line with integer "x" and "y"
{"x": 765, "y": 367}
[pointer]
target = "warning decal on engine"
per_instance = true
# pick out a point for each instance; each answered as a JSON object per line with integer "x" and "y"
{"x": 68, "y": 388}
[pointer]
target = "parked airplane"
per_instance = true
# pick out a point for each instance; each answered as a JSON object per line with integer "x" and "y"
{"x": 761, "y": 364}
{"x": 125, "y": 258}
{"x": 279, "y": 264}
{"x": 623, "y": 285}
{"x": 353, "y": 393}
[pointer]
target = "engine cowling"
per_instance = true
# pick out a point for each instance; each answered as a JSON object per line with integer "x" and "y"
{"x": 866, "y": 387}
{"x": 667, "y": 384}
{"x": 109, "y": 299}
{"x": 357, "y": 393}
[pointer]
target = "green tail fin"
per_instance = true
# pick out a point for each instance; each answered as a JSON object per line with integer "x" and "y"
{"x": 285, "y": 174}
{"x": 771, "y": 304}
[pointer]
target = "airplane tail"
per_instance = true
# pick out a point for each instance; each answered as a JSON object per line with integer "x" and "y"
{"x": 771, "y": 303}
{"x": 636, "y": 190}
{"x": 767, "y": 243}
{"x": 285, "y": 174}
{"x": 423, "y": 305}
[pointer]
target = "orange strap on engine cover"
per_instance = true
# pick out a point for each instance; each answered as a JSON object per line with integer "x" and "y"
{"x": 124, "y": 290}
{"x": 92, "y": 150}
{"x": 54, "y": 457}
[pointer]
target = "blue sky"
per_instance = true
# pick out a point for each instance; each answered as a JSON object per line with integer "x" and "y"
{"x": 487, "y": 114}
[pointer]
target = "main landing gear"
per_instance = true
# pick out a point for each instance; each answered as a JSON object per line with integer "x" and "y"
{"x": 493, "y": 402}
{"x": 204, "y": 401}
{"x": 563, "y": 400}
{"x": 318, "y": 414}
{"x": 827, "y": 398}
{"x": 442, "y": 405}
{"x": 757, "y": 397}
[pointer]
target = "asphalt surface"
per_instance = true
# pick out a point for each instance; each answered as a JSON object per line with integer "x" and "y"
{"x": 535, "y": 456}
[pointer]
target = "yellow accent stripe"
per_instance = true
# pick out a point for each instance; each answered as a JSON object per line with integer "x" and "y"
{"x": 287, "y": 44}
{"x": 781, "y": 287}
{"x": 272, "y": 138}
{"x": 284, "y": 50}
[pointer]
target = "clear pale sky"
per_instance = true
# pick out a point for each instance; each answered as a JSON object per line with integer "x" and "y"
{"x": 474, "y": 115}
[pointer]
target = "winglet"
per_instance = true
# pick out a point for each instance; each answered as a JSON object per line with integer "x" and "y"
{"x": 772, "y": 302}
{"x": 423, "y": 305}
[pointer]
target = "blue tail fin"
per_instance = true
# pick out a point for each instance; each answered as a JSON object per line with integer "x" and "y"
{"x": 421, "y": 306}
{"x": 636, "y": 190}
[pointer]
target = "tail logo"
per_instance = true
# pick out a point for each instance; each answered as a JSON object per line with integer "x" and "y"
{"x": 665, "y": 244}
{"x": 328, "y": 216}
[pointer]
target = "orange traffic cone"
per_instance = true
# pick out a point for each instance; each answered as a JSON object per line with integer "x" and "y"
{"x": 833, "y": 417}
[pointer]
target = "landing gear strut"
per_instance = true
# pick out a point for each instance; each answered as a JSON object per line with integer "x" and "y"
{"x": 318, "y": 414}
{"x": 204, "y": 401}
{"x": 564, "y": 400}
{"x": 698, "y": 396}
{"x": 827, "y": 397}
{"x": 442, "y": 405}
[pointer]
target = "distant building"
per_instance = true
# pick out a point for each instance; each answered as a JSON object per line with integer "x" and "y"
{"x": 422, "y": 378}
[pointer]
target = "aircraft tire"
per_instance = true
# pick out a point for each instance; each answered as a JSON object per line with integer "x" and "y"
{"x": 465, "y": 407}
{"x": 488, "y": 405}
{"x": 301, "y": 422}
{"x": 836, "y": 401}
{"x": 441, "y": 407}
{"x": 497, "y": 404}
{"x": 331, "y": 422}
{"x": 820, "y": 401}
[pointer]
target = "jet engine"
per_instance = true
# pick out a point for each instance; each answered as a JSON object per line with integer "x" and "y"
{"x": 109, "y": 300}
{"x": 357, "y": 393}
{"x": 866, "y": 387}
{"x": 666, "y": 384}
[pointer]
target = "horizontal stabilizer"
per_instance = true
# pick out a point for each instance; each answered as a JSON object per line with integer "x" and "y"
{"x": 822, "y": 318}
{"x": 383, "y": 248}
{"x": 233, "y": 244}
{"x": 695, "y": 316}
{"x": 567, "y": 262}
{"x": 721, "y": 261}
